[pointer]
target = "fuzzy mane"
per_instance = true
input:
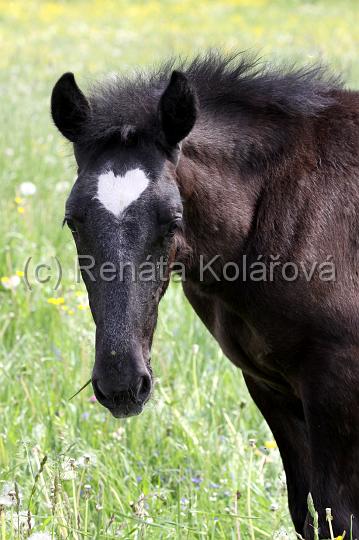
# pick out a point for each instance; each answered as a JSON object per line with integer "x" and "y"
{"x": 225, "y": 85}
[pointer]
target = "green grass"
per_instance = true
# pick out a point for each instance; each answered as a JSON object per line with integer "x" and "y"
{"x": 185, "y": 468}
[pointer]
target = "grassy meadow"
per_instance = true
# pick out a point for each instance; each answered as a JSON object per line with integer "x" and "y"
{"x": 200, "y": 462}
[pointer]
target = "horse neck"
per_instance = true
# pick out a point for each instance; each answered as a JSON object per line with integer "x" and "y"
{"x": 224, "y": 172}
{"x": 220, "y": 198}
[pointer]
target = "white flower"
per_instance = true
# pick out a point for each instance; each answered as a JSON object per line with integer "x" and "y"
{"x": 69, "y": 469}
{"x": 27, "y": 188}
{"x": 281, "y": 534}
{"x": 5, "y": 500}
{"x": 21, "y": 520}
{"x": 86, "y": 460}
{"x": 62, "y": 187}
{"x": 10, "y": 282}
{"x": 41, "y": 536}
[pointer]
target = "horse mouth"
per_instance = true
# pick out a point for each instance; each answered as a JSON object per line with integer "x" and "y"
{"x": 124, "y": 406}
{"x": 126, "y": 412}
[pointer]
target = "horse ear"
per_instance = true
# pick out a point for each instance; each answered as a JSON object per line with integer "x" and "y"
{"x": 177, "y": 109}
{"x": 69, "y": 107}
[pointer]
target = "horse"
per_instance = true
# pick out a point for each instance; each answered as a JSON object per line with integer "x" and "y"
{"x": 242, "y": 177}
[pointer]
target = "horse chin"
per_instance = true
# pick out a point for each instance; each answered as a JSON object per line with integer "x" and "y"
{"x": 126, "y": 412}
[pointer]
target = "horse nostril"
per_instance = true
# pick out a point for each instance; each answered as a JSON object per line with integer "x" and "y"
{"x": 143, "y": 387}
{"x": 98, "y": 391}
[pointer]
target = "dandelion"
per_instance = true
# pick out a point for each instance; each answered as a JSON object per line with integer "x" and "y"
{"x": 20, "y": 273}
{"x": 271, "y": 445}
{"x": 21, "y": 210}
{"x": 86, "y": 460}
{"x": 10, "y": 282}
{"x": 19, "y": 200}
{"x": 56, "y": 301}
{"x": 27, "y": 188}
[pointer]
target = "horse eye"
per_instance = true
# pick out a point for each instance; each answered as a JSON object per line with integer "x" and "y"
{"x": 174, "y": 225}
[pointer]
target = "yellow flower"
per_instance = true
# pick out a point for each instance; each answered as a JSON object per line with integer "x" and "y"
{"x": 82, "y": 307}
{"x": 270, "y": 445}
{"x": 56, "y": 301}
{"x": 70, "y": 312}
{"x": 19, "y": 200}
{"x": 20, "y": 273}
{"x": 5, "y": 279}
{"x": 20, "y": 209}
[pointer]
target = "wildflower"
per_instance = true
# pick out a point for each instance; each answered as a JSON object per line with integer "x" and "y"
{"x": 195, "y": 349}
{"x": 70, "y": 312}
{"x": 93, "y": 399}
{"x": 119, "y": 433}
{"x": 270, "y": 445}
{"x": 10, "y": 282}
{"x": 213, "y": 485}
{"x": 21, "y": 210}
{"x": 21, "y": 520}
{"x": 197, "y": 480}
{"x": 19, "y": 200}
{"x": 281, "y": 534}
{"x": 62, "y": 187}
{"x": 85, "y": 415}
{"x": 41, "y": 536}
{"x": 27, "y": 188}
{"x": 20, "y": 273}
{"x": 86, "y": 460}
{"x": 56, "y": 301}
{"x": 274, "y": 507}
{"x": 82, "y": 307}
{"x": 68, "y": 470}
{"x": 5, "y": 501}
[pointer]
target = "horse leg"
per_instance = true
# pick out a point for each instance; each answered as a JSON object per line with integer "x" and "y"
{"x": 284, "y": 415}
{"x": 329, "y": 390}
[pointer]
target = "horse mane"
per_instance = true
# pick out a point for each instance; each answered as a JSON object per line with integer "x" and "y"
{"x": 225, "y": 84}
